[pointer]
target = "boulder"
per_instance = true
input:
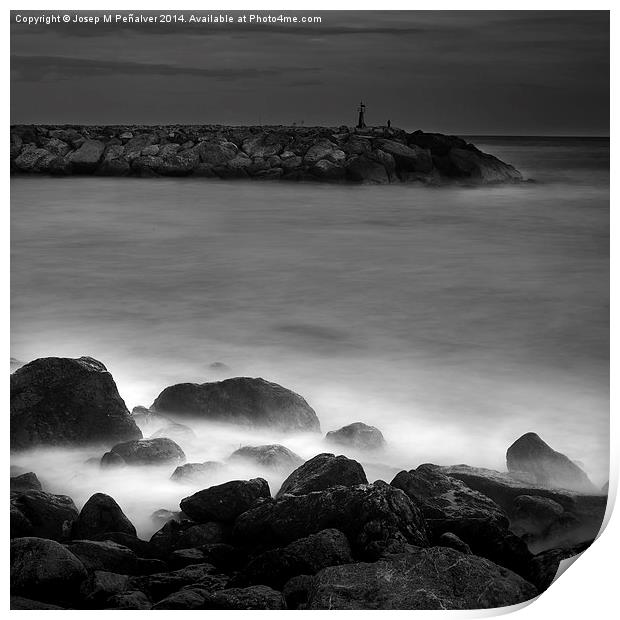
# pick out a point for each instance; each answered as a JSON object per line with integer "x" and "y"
{"x": 437, "y": 143}
{"x": 224, "y": 557}
{"x": 545, "y": 564}
{"x": 100, "y": 515}
{"x": 69, "y": 135}
{"x": 479, "y": 167}
{"x": 324, "y": 149}
{"x": 448, "y": 539}
{"x": 322, "y": 472}
{"x": 105, "y": 555}
{"x": 357, "y": 435}
{"x": 327, "y": 170}
{"x": 160, "y": 585}
{"x": 20, "y": 602}
{"x": 272, "y": 456}
{"x": 434, "y": 578}
{"x": 362, "y": 169}
{"x": 140, "y": 547}
{"x": 132, "y": 599}
{"x": 375, "y": 518}
{"x": 177, "y": 432}
{"x": 149, "y": 451}
{"x": 29, "y": 158}
{"x": 63, "y": 401}
{"x": 305, "y": 556}
{"x": 179, "y": 164}
{"x": 224, "y": 502}
{"x": 87, "y": 157}
{"x": 56, "y": 146}
{"x": 40, "y": 514}
{"x": 408, "y": 158}
{"x": 111, "y": 460}
{"x": 176, "y": 535}
{"x": 25, "y": 482}
{"x": 216, "y": 154}
{"x": 533, "y": 515}
{"x": 254, "y": 597}
{"x": 261, "y": 146}
{"x": 46, "y": 570}
{"x": 239, "y": 400}
{"x": 531, "y": 454}
{"x": 196, "y": 473}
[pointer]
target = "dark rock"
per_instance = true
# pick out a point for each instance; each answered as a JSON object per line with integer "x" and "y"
{"x": 100, "y": 585}
{"x": 19, "y": 602}
{"x": 25, "y": 482}
{"x": 56, "y": 146}
{"x": 239, "y": 400}
{"x": 70, "y": 135}
{"x": 195, "y": 473}
{"x": 374, "y": 517}
{"x": 479, "y": 167}
{"x": 100, "y": 515}
{"x": 161, "y": 585}
{"x": 362, "y": 169}
{"x": 297, "y": 590}
{"x": 437, "y": 143}
{"x": 549, "y": 468}
{"x": 111, "y": 460}
{"x": 36, "y": 513}
{"x": 86, "y": 159}
{"x": 146, "y": 417}
{"x": 409, "y": 158}
{"x": 448, "y": 539}
{"x": 176, "y": 535}
{"x": 29, "y": 158}
{"x": 254, "y": 597}
{"x": 434, "y": 578}
{"x": 45, "y": 569}
{"x": 357, "y": 435}
{"x": 533, "y": 515}
{"x": 273, "y": 456}
{"x": 545, "y": 565}
{"x": 224, "y": 557}
{"x": 189, "y": 597}
{"x": 59, "y": 401}
{"x": 224, "y": 502}
{"x": 324, "y": 150}
{"x": 327, "y": 170}
{"x": 133, "y": 599}
{"x": 140, "y": 547}
{"x": 150, "y": 451}
{"x": 305, "y": 556}
{"x": 109, "y": 556}
{"x": 216, "y": 154}
{"x": 322, "y": 472}
{"x": 179, "y": 164}
{"x": 162, "y": 516}
{"x": 176, "y": 432}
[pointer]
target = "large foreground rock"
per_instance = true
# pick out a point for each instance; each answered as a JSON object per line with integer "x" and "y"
{"x": 101, "y": 515}
{"x": 434, "y": 578}
{"x": 60, "y": 401}
{"x": 105, "y": 555}
{"x": 41, "y": 514}
{"x": 224, "y": 502}
{"x": 149, "y": 451}
{"x": 550, "y": 468}
{"x": 26, "y": 482}
{"x": 175, "y": 535}
{"x": 375, "y": 518}
{"x": 46, "y": 571}
{"x": 241, "y": 400}
{"x": 322, "y": 472}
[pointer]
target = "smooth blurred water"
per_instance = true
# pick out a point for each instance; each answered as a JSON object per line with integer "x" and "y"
{"x": 454, "y": 319}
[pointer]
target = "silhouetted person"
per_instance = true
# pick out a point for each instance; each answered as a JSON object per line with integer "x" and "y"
{"x": 389, "y": 124}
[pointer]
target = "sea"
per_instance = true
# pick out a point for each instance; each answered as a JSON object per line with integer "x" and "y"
{"x": 454, "y": 319}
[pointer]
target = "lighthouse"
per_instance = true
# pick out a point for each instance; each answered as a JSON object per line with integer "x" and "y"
{"x": 360, "y": 121}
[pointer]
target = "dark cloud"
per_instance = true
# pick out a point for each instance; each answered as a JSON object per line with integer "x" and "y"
{"x": 517, "y": 72}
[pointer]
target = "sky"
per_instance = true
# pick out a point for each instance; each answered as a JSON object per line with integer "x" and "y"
{"x": 470, "y": 72}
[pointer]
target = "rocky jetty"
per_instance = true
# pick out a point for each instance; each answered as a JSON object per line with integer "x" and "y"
{"x": 64, "y": 401}
{"x": 377, "y": 155}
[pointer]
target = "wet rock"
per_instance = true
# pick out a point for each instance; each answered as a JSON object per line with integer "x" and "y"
{"x": 111, "y": 460}
{"x": 239, "y": 400}
{"x": 25, "y": 482}
{"x": 224, "y": 502}
{"x": 322, "y": 472}
{"x": 176, "y": 535}
{"x": 195, "y": 473}
{"x": 357, "y": 435}
{"x": 305, "y": 556}
{"x": 150, "y": 451}
{"x": 409, "y": 158}
{"x": 40, "y": 514}
{"x": 448, "y": 539}
{"x": 272, "y": 456}
{"x": 549, "y": 468}
{"x": 46, "y": 570}
{"x": 161, "y": 585}
{"x": 434, "y": 578}
{"x": 105, "y": 555}
{"x": 63, "y": 401}
{"x": 362, "y": 169}
{"x": 133, "y": 599}
{"x": 140, "y": 547}
{"x": 100, "y": 515}
{"x": 375, "y": 518}
{"x": 86, "y": 159}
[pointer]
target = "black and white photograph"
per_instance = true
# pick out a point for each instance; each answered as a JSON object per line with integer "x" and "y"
{"x": 309, "y": 309}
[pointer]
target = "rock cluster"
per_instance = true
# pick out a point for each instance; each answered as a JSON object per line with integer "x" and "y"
{"x": 329, "y": 154}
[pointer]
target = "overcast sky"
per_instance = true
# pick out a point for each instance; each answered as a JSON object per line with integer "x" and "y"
{"x": 520, "y": 73}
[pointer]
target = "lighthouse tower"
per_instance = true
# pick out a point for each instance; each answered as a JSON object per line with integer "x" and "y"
{"x": 361, "y": 124}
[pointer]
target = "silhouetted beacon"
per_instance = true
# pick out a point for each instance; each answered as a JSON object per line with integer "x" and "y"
{"x": 360, "y": 122}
